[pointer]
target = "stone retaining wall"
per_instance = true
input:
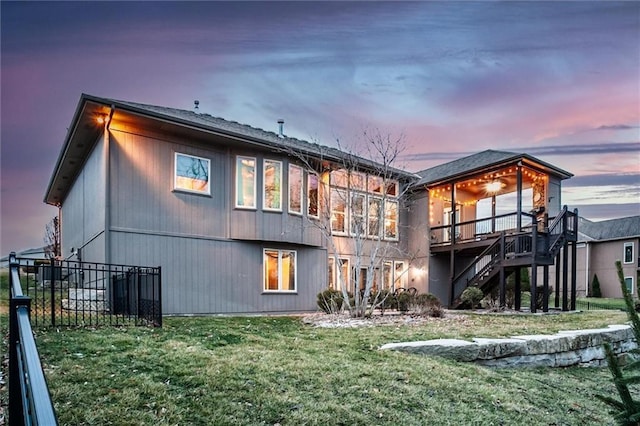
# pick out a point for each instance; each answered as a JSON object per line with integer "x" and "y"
{"x": 564, "y": 349}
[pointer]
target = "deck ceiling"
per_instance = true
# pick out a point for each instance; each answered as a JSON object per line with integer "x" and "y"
{"x": 494, "y": 182}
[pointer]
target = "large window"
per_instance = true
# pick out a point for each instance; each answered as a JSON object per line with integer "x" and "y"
{"x": 313, "y": 195}
{"x": 337, "y": 276}
{"x": 192, "y": 174}
{"x": 272, "y": 195}
{"x": 358, "y": 213}
{"x": 246, "y": 182}
{"x": 338, "y": 210}
{"x": 295, "y": 189}
{"x": 279, "y": 270}
{"x": 628, "y": 252}
{"x": 375, "y": 214}
{"x": 391, "y": 219}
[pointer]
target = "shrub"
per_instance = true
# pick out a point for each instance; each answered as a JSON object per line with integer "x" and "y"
{"x": 595, "y": 287}
{"x": 404, "y": 300}
{"x": 383, "y": 300}
{"x": 626, "y": 409}
{"x": 427, "y": 304}
{"x": 472, "y": 296}
{"x": 330, "y": 301}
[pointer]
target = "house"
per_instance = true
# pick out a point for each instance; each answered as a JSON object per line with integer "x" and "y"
{"x": 600, "y": 245}
{"x": 234, "y": 215}
{"x": 244, "y": 220}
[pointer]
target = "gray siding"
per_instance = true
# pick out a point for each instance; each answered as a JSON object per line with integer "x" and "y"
{"x": 202, "y": 276}
{"x": 83, "y": 210}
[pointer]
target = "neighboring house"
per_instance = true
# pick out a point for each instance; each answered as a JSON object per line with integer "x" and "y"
{"x": 237, "y": 217}
{"x": 33, "y": 254}
{"x": 600, "y": 245}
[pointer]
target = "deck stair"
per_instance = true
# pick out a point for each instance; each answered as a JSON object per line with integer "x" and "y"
{"x": 511, "y": 250}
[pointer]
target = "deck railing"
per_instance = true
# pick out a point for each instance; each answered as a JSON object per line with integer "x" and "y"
{"x": 29, "y": 399}
{"x": 478, "y": 229}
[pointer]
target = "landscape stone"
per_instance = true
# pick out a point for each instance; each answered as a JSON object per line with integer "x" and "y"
{"x": 564, "y": 349}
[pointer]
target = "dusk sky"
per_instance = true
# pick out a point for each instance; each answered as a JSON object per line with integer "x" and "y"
{"x": 559, "y": 81}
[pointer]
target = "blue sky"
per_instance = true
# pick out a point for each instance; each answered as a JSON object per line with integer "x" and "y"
{"x": 558, "y": 80}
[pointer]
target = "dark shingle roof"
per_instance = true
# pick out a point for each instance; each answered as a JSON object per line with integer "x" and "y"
{"x": 612, "y": 229}
{"x": 272, "y": 139}
{"x": 477, "y": 162}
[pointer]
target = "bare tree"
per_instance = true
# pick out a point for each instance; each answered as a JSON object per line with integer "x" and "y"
{"x": 52, "y": 238}
{"x": 350, "y": 218}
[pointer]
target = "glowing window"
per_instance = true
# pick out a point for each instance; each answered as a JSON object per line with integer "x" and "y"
{"x": 245, "y": 182}
{"x": 279, "y": 270}
{"x": 272, "y": 195}
{"x": 338, "y": 210}
{"x": 312, "y": 195}
{"x": 192, "y": 174}
{"x": 295, "y": 189}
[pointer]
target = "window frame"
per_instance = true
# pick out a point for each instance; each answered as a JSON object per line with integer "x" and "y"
{"x": 301, "y": 197}
{"x": 632, "y": 290}
{"x": 265, "y": 275}
{"x": 239, "y": 158}
{"x": 313, "y": 176}
{"x": 206, "y": 191}
{"x": 264, "y": 185}
{"x": 344, "y": 213}
{"x": 362, "y": 216}
{"x": 386, "y": 219}
{"x": 624, "y": 252}
{"x": 380, "y": 217}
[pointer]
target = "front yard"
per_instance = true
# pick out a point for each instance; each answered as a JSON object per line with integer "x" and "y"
{"x": 277, "y": 370}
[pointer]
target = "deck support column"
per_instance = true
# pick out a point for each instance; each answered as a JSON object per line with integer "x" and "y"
{"x": 503, "y": 283}
{"x": 518, "y": 290}
{"x": 545, "y": 286}
{"x": 452, "y": 260}
{"x": 519, "y": 195}
{"x": 557, "y": 286}
{"x": 574, "y": 253}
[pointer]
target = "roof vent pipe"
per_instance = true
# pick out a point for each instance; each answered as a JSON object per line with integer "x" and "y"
{"x": 196, "y": 103}
{"x": 281, "y": 128}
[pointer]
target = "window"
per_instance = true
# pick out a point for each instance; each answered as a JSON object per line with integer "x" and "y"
{"x": 391, "y": 219}
{"x": 295, "y": 189}
{"x": 392, "y": 188}
{"x": 246, "y": 182}
{"x": 358, "y": 211}
{"x": 400, "y": 276}
{"x": 375, "y": 214}
{"x": 279, "y": 270}
{"x": 339, "y": 178}
{"x": 375, "y": 184}
{"x": 358, "y": 181}
{"x": 628, "y": 252}
{"x": 628, "y": 281}
{"x": 338, "y": 210}
{"x": 331, "y": 273}
{"x": 192, "y": 174}
{"x": 387, "y": 275}
{"x": 312, "y": 195}
{"x": 272, "y": 195}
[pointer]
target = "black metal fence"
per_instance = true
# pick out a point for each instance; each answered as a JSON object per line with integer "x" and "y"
{"x": 72, "y": 293}
{"x": 29, "y": 399}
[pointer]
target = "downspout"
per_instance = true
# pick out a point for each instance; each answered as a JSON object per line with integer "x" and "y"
{"x": 519, "y": 195}
{"x": 107, "y": 188}
{"x": 586, "y": 267}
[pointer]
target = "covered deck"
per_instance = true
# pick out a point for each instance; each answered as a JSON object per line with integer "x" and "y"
{"x": 491, "y": 214}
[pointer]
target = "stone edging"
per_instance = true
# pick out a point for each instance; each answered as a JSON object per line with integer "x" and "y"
{"x": 564, "y": 349}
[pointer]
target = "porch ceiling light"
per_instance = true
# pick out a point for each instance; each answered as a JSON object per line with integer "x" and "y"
{"x": 494, "y": 186}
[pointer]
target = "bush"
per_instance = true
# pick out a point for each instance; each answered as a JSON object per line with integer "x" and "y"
{"x": 404, "y": 300}
{"x": 427, "y": 304}
{"x": 472, "y": 296}
{"x": 383, "y": 300}
{"x": 330, "y": 301}
{"x": 595, "y": 287}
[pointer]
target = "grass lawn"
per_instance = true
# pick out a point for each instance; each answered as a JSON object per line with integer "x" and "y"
{"x": 276, "y": 370}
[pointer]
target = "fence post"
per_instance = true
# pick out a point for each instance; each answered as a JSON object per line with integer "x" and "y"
{"x": 52, "y": 283}
{"x": 159, "y": 312}
{"x": 15, "y": 302}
